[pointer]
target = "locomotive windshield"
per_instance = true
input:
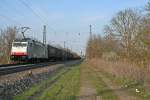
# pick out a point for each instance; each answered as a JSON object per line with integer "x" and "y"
{"x": 15, "y": 44}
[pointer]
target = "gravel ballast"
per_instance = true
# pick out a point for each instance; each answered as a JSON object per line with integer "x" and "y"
{"x": 12, "y": 84}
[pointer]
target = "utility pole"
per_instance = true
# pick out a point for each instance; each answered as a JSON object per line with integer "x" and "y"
{"x": 64, "y": 44}
{"x": 64, "y": 56}
{"x": 44, "y": 34}
{"x": 90, "y": 30}
{"x": 81, "y": 53}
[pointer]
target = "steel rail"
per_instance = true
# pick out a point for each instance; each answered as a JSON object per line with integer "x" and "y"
{"x": 18, "y": 68}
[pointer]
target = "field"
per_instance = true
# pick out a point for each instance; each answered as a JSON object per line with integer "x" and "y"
{"x": 83, "y": 82}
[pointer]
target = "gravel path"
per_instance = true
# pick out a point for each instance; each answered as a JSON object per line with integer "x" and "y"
{"x": 87, "y": 90}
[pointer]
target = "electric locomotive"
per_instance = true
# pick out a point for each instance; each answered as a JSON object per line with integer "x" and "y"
{"x": 28, "y": 50}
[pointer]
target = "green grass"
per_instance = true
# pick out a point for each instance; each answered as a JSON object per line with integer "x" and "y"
{"x": 62, "y": 86}
{"x": 66, "y": 88}
{"x": 101, "y": 88}
{"x": 36, "y": 88}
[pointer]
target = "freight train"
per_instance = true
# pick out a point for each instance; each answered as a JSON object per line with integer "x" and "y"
{"x": 28, "y": 49}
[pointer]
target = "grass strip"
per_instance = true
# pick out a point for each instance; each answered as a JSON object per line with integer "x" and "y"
{"x": 102, "y": 90}
{"x": 66, "y": 88}
{"x": 37, "y": 87}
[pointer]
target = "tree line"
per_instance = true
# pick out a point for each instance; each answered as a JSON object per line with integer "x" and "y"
{"x": 127, "y": 36}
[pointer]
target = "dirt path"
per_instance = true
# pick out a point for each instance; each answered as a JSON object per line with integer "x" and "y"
{"x": 118, "y": 90}
{"x": 122, "y": 95}
{"x": 87, "y": 90}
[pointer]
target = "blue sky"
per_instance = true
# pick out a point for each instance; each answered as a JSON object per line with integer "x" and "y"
{"x": 64, "y": 18}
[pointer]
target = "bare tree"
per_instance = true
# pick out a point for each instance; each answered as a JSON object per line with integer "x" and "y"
{"x": 124, "y": 27}
{"x": 110, "y": 44}
{"x": 7, "y": 36}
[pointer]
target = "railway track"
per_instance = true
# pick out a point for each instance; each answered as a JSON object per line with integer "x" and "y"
{"x": 10, "y": 68}
{"x": 7, "y": 65}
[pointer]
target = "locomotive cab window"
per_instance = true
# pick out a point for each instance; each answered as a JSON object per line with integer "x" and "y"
{"x": 19, "y": 44}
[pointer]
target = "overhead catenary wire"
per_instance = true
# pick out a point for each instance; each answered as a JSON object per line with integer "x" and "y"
{"x": 36, "y": 14}
{"x": 13, "y": 8}
{"x": 38, "y": 10}
{"x": 27, "y": 6}
{"x": 23, "y": 2}
{"x": 10, "y": 19}
{"x": 31, "y": 9}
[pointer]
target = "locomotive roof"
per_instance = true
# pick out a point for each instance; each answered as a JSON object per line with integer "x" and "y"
{"x": 26, "y": 39}
{"x": 22, "y": 39}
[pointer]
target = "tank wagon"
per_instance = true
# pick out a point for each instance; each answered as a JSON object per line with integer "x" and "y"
{"x": 28, "y": 49}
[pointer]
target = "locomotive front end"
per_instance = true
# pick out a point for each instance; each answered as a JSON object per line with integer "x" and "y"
{"x": 19, "y": 50}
